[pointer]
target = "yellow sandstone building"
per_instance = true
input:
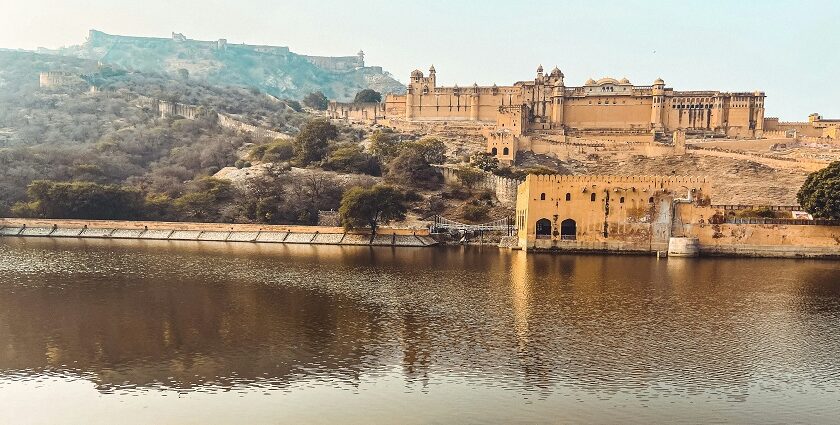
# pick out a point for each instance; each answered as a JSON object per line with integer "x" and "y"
{"x": 647, "y": 214}
{"x": 610, "y": 108}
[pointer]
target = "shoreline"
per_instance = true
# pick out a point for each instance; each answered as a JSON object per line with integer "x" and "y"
{"x": 211, "y": 232}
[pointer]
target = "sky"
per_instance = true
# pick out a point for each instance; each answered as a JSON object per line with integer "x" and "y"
{"x": 788, "y": 49}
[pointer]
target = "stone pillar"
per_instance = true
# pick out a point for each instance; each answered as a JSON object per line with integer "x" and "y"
{"x": 679, "y": 142}
{"x": 474, "y": 104}
{"x": 409, "y": 103}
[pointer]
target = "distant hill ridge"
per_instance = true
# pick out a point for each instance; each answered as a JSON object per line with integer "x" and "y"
{"x": 273, "y": 69}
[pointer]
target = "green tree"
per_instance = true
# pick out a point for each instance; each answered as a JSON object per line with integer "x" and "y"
{"x": 410, "y": 169}
{"x": 205, "y": 199}
{"x": 820, "y": 194}
{"x": 316, "y": 100}
{"x": 50, "y": 199}
{"x": 469, "y": 177}
{"x": 313, "y": 140}
{"x": 432, "y": 149}
{"x": 352, "y": 159}
{"x": 484, "y": 161}
{"x": 362, "y": 207}
{"x": 384, "y": 145}
{"x": 368, "y": 96}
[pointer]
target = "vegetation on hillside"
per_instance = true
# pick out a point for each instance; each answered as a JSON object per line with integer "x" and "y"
{"x": 820, "y": 194}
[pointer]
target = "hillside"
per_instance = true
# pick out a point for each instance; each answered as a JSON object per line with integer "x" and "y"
{"x": 272, "y": 69}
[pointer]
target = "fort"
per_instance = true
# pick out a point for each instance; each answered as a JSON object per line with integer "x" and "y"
{"x": 606, "y": 109}
{"x": 99, "y": 39}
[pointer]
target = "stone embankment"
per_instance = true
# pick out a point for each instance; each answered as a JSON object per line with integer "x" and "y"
{"x": 211, "y": 232}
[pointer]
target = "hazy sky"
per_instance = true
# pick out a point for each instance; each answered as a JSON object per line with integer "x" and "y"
{"x": 789, "y": 49}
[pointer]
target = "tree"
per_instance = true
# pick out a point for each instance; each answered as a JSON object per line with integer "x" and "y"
{"x": 316, "y": 100}
{"x": 85, "y": 200}
{"x": 368, "y": 96}
{"x": 469, "y": 177}
{"x": 205, "y": 199}
{"x": 384, "y": 145}
{"x": 183, "y": 73}
{"x": 312, "y": 142}
{"x": 362, "y": 207}
{"x": 410, "y": 169}
{"x": 820, "y": 194}
{"x": 433, "y": 150}
{"x": 352, "y": 159}
{"x": 484, "y": 161}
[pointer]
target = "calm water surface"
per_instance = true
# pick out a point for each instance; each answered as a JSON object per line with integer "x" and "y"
{"x": 209, "y": 333}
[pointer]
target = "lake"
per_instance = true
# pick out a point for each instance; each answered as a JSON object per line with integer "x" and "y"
{"x": 139, "y": 332}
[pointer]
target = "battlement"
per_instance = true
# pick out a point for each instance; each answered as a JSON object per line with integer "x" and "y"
{"x": 51, "y": 79}
{"x": 613, "y": 179}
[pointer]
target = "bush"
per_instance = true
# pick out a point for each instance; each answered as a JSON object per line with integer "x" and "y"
{"x": 484, "y": 161}
{"x": 410, "y": 169}
{"x": 316, "y": 100}
{"x": 476, "y": 212}
{"x": 312, "y": 142}
{"x": 277, "y": 151}
{"x": 351, "y": 159}
{"x": 85, "y": 200}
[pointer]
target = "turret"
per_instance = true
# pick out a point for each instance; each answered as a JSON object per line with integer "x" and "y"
{"x": 658, "y": 91}
{"x": 432, "y": 76}
{"x": 539, "y": 73}
{"x": 474, "y": 103}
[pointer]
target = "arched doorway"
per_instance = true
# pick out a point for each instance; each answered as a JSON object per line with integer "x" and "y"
{"x": 543, "y": 228}
{"x": 568, "y": 229}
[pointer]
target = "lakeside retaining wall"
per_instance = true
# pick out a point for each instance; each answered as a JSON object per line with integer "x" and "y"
{"x": 211, "y": 232}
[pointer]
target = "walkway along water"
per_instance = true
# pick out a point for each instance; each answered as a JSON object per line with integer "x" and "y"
{"x": 212, "y": 232}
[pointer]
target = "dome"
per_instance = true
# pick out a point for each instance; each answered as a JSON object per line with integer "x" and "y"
{"x": 590, "y": 82}
{"x": 417, "y": 73}
{"x": 540, "y": 68}
{"x": 556, "y": 72}
{"x": 624, "y": 81}
{"x": 431, "y": 69}
{"x": 658, "y": 82}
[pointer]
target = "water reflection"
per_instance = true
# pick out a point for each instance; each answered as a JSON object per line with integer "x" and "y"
{"x": 191, "y": 316}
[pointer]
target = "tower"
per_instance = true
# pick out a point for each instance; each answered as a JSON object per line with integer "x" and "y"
{"x": 557, "y": 94}
{"x": 474, "y": 104}
{"x": 361, "y": 56}
{"x": 658, "y": 105}
{"x": 432, "y": 77}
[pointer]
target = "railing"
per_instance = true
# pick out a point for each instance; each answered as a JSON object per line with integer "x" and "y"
{"x": 568, "y": 237}
{"x": 787, "y": 221}
{"x": 505, "y": 224}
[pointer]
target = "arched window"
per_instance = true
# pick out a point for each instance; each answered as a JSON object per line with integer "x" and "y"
{"x": 592, "y": 197}
{"x": 543, "y": 228}
{"x": 650, "y": 200}
{"x": 505, "y": 151}
{"x": 568, "y": 196}
{"x": 568, "y": 230}
{"x": 621, "y": 200}
{"x": 494, "y": 151}
{"x": 542, "y": 196}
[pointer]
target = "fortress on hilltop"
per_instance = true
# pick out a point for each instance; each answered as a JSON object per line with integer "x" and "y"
{"x": 606, "y": 108}
{"x": 328, "y": 63}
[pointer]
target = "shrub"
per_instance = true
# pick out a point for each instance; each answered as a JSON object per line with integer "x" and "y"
{"x": 474, "y": 212}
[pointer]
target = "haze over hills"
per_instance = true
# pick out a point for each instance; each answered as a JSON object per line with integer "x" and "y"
{"x": 272, "y": 69}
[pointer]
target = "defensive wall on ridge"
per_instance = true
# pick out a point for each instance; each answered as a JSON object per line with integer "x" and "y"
{"x": 165, "y": 108}
{"x": 504, "y": 188}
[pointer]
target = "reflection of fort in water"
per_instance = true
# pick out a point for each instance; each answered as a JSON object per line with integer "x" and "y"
{"x": 187, "y": 315}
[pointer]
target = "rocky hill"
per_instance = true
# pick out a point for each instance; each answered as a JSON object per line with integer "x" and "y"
{"x": 272, "y": 69}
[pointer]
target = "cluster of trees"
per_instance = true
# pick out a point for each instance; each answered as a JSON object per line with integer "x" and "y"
{"x": 820, "y": 194}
